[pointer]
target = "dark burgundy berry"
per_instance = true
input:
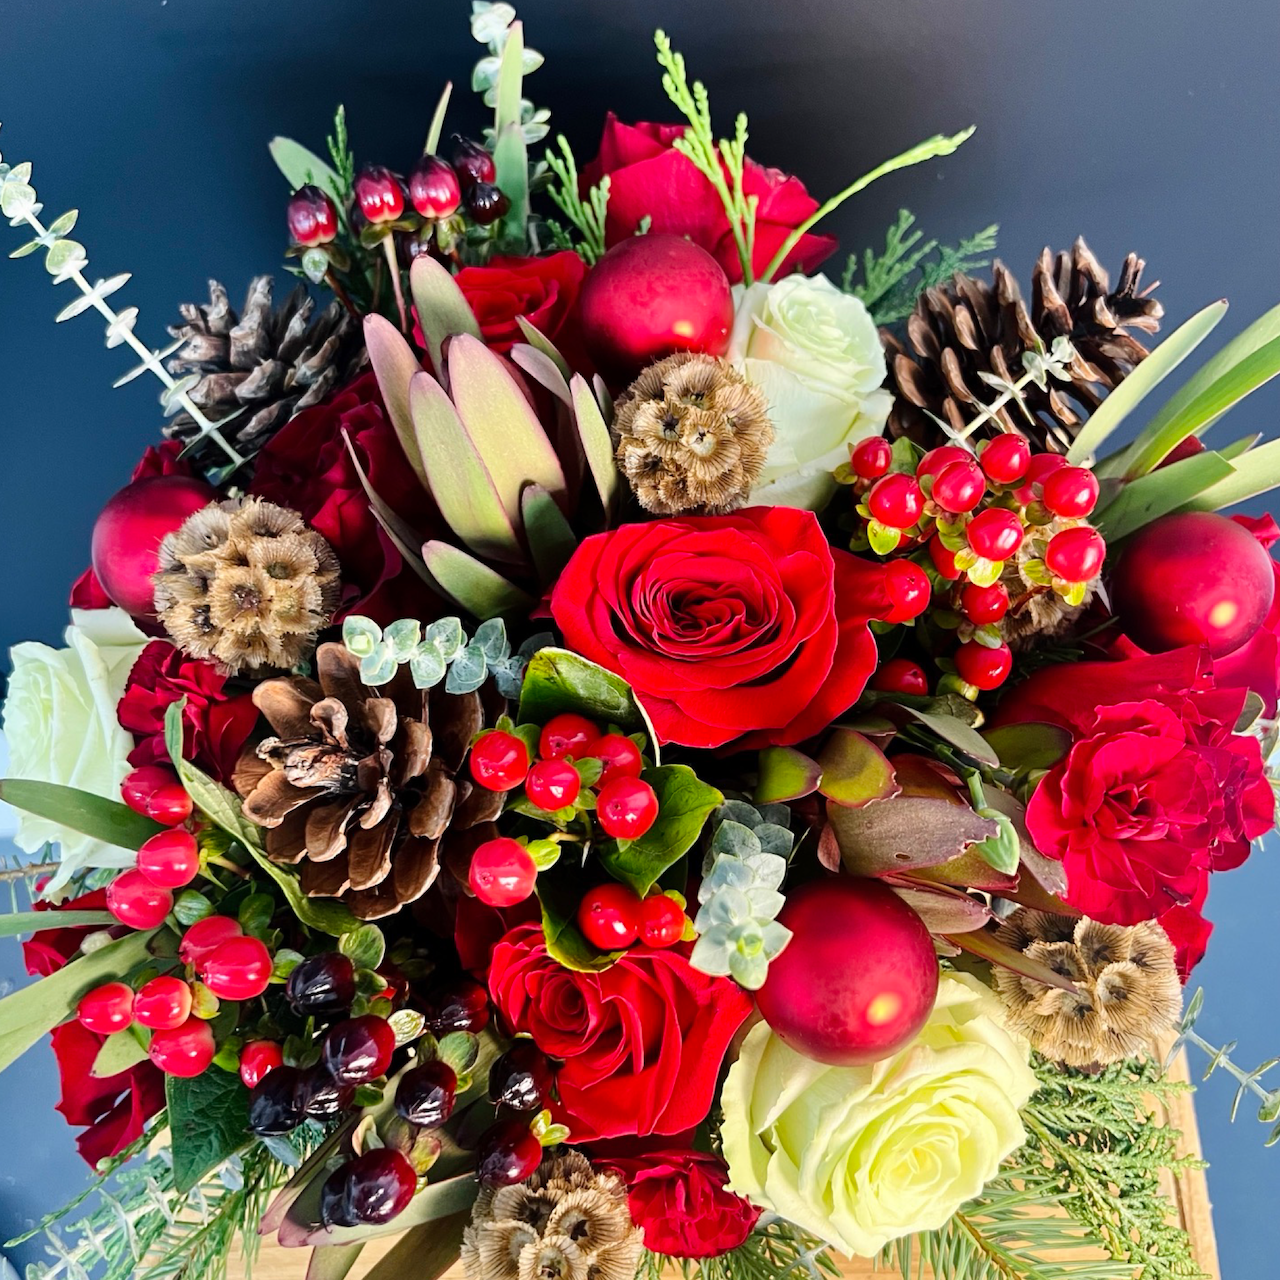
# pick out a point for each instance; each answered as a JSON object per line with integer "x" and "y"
{"x": 425, "y": 1094}
{"x": 486, "y": 203}
{"x": 434, "y": 188}
{"x": 273, "y": 1104}
{"x": 369, "y": 1190}
{"x": 312, "y": 217}
{"x": 472, "y": 162}
{"x": 323, "y": 985}
{"x": 379, "y": 194}
{"x": 359, "y": 1049}
{"x": 522, "y": 1078}
{"x": 461, "y": 1006}
{"x": 508, "y": 1153}
{"x": 321, "y": 1097}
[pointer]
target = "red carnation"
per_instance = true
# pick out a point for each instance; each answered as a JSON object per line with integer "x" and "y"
{"x": 542, "y": 290}
{"x": 642, "y": 1041}
{"x": 648, "y": 178}
{"x": 745, "y": 624}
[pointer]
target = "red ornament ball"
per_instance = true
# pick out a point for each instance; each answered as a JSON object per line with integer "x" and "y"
{"x": 859, "y": 977}
{"x": 127, "y": 535}
{"x": 1196, "y": 578}
{"x": 651, "y": 296}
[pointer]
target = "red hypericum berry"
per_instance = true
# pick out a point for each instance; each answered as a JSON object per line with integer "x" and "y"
{"x": 163, "y": 1004}
{"x": 106, "y": 1009}
{"x": 982, "y": 667}
{"x": 609, "y": 917}
{"x": 908, "y": 588}
{"x": 170, "y": 859}
{"x": 661, "y": 921}
{"x": 1005, "y": 459}
{"x": 1071, "y": 492}
{"x": 258, "y": 1059}
{"x": 426, "y": 1094}
{"x": 379, "y": 194}
{"x": 943, "y": 456}
{"x": 499, "y": 760}
{"x": 872, "y": 458}
{"x": 463, "y": 1005}
{"x": 959, "y": 486}
{"x": 502, "y": 872}
{"x": 626, "y": 808}
{"x": 487, "y": 203}
{"x": 135, "y": 901}
{"x": 312, "y": 217}
{"x": 984, "y": 605}
{"x": 359, "y": 1049}
{"x": 994, "y": 534}
{"x": 239, "y": 969}
{"x": 896, "y": 500}
{"x": 369, "y": 1190}
{"x": 205, "y": 936}
{"x": 1187, "y": 447}
{"x": 900, "y": 675}
{"x": 620, "y": 757}
{"x": 156, "y": 792}
{"x": 322, "y": 985}
{"x": 944, "y": 560}
{"x": 508, "y": 1153}
{"x": 434, "y": 188}
{"x": 552, "y": 784}
{"x": 1076, "y": 555}
{"x": 185, "y": 1051}
{"x": 567, "y": 734}
{"x": 471, "y": 162}
{"x": 1039, "y": 469}
{"x": 274, "y": 1105}
{"x": 522, "y": 1078}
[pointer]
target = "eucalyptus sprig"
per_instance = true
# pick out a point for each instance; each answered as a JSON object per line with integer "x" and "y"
{"x": 491, "y": 26}
{"x": 1038, "y": 366}
{"x": 587, "y": 216}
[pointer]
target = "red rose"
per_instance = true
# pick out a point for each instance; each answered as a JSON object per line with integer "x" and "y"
{"x": 642, "y": 1041}
{"x": 542, "y": 290}
{"x": 678, "y": 1199}
{"x": 1157, "y": 789}
{"x": 649, "y": 178}
{"x": 726, "y": 625}
{"x": 306, "y": 466}
{"x": 1256, "y": 664}
{"x": 215, "y": 724}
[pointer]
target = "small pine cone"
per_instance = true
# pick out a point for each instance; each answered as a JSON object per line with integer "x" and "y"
{"x": 693, "y": 435}
{"x": 1127, "y": 998}
{"x": 247, "y": 584}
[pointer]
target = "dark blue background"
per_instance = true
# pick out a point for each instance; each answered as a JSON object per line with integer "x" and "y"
{"x": 1146, "y": 125}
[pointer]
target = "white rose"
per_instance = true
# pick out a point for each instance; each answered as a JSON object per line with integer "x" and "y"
{"x": 815, "y": 353}
{"x": 61, "y": 726}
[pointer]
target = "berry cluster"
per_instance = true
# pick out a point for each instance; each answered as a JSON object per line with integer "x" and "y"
{"x": 613, "y": 917}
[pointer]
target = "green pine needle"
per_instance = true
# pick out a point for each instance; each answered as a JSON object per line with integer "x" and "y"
{"x": 586, "y": 216}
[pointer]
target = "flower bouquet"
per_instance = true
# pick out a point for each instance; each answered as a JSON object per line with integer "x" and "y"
{"x": 597, "y": 745}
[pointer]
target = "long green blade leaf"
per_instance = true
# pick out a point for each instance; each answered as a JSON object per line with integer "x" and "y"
{"x": 551, "y": 538}
{"x": 19, "y": 922}
{"x": 597, "y": 443}
{"x": 1151, "y": 496}
{"x": 1143, "y": 380}
{"x": 95, "y": 816}
{"x": 394, "y": 365}
{"x": 301, "y": 166}
{"x": 1258, "y": 471}
{"x": 482, "y": 592}
{"x": 510, "y": 153}
{"x": 437, "y": 120}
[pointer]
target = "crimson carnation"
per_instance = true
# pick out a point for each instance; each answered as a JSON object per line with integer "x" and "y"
{"x": 543, "y": 291}
{"x": 1157, "y": 789}
{"x": 642, "y": 1041}
{"x": 745, "y": 624}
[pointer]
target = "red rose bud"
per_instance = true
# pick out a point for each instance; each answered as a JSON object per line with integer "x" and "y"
{"x": 471, "y": 162}
{"x": 434, "y": 188}
{"x": 379, "y": 194}
{"x": 908, "y": 588}
{"x": 872, "y": 458}
{"x": 312, "y": 217}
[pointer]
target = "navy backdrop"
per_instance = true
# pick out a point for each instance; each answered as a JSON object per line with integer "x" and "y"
{"x": 1147, "y": 125}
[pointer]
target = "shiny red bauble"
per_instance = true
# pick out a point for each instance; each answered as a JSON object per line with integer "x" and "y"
{"x": 502, "y": 872}
{"x": 661, "y": 921}
{"x": 154, "y": 790}
{"x": 872, "y": 458}
{"x": 127, "y": 535}
{"x": 908, "y": 588}
{"x": 163, "y": 1004}
{"x": 609, "y": 917}
{"x": 858, "y": 978}
{"x": 983, "y": 667}
{"x": 135, "y": 901}
{"x": 896, "y": 500}
{"x": 651, "y": 296}
{"x": 170, "y": 859}
{"x": 1196, "y": 578}
{"x": 185, "y": 1051}
{"x": 1005, "y": 459}
{"x": 499, "y": 760}
{"x": 626, "y": 808}
{"x": 239, "y": 969}
{"x": 257, "y": 1059}
{"x": 900, "y": 675}
{"x": 205, "y": 936}
{"x": 620, "y": 757}
{"x": 106, "y": 1009}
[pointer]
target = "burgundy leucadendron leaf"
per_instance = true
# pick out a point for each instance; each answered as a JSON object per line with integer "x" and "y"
{"x": 855, "y": 771}
{"x": 907, "y": 832}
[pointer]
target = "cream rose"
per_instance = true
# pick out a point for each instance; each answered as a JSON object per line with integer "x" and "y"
{"x": 815, "y": 353}
{"x": 862, "y": 1155}
{"x": 60, "y": 723}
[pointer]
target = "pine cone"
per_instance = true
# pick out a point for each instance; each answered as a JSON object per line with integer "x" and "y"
{"x": 966, "y": 328}
{"x": 361, "y": 787}
{"x": 264, "y": 365}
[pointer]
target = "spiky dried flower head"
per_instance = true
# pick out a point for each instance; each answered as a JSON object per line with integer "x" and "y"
{"x": 1127, "y": 998}
{"x": 247, "y": 584}
{"x": 566, "y": 1222}
{"x": 693, "y": 434}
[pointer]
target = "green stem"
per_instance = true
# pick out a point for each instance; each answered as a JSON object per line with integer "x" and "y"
{"x": 389, "y": 248}
{"x": 1220, "y": 1059}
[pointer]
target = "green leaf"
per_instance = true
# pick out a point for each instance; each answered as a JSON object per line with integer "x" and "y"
{"x": 987, "y": 947}
{"x": 437, "y": 120}
{"x": 208, "y": 1122}
{"x": 1143, "y": 380}
{"x": 597, "y": 443}
{"x": 103, "y": 819}
{"x": 119, "y": 1052}
{"x": 394, "y": 365}
{"x": 559, "y": 891}
{"x": 1258, "y": 472}
{"x": 684, "y": 804}
{"x": 33, "y": 1011}
{"x": 364, "y": 946}
{"x": 472, "y": 586}
{"x": 424, "y": 1252}
{"x": 854, "y": 770}
{"x": 956, "y": 732}
{"x": 541, "y": 343}
{"x": 1151, "y": 496}
{"x": 1032, "y": 745}
{"x": 301, "y": 166}
{"x": 18, "y": 922}
{"x": 443, "y": 310}
{"x": 551, "y": 537}
{"x": 511, "y": 160}
{"x": 334, "y": 1261}
{"x": 783, "y": 773}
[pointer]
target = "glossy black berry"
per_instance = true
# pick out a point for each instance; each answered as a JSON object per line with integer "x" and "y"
{"x": 369, "y": 1190}
{"x": 322, "y": 986}
{"x": 507, "y": 1153}
{"x": 522, "y": 1078}
{"x": 486, "y": 203}
{"x": 273, "y": 1103}
{"x": 426, "y": 1094}
{"x": 320, "y": 1097}
{"x": 461, "y": 1006}
{"x": 359, "y": 1049}
{"x": 471, "y": 162}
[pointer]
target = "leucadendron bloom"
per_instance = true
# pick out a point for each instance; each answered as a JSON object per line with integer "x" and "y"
{"x": 60, "y": 724}
{"x": 815, "y": 353}
{"x": 862, "y": 1155}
